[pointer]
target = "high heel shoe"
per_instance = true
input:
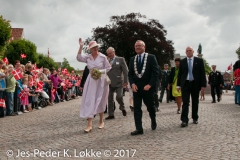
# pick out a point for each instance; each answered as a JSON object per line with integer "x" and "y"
{"x": 101, "y": 126}
{"x": 87, "y": 130}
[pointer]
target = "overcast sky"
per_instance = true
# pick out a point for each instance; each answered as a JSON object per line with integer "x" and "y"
{"x": 57, "y": 24}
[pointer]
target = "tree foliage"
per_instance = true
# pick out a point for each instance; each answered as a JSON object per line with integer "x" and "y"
{"x": 123, "y": 31}
{"x": 17, "y": 47}
{"x": 5, "y": 32}
{"x": 65, "y": 64}
{"x": 46, "y": 62}
{"x": 207, "y": 67}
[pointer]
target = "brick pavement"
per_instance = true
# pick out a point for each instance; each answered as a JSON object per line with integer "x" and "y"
{"x": 59, "y": 127}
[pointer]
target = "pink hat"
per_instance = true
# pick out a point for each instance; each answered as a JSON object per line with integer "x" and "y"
{"x": 93, "y": 44}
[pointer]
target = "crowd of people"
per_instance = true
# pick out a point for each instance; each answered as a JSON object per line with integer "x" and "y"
{"x": 24, "y": 88}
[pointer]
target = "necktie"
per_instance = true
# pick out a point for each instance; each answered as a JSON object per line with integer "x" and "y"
{"x": 190, "y": 69}
{"x": 139, "y": 62}
{"x": 110, "y": 61}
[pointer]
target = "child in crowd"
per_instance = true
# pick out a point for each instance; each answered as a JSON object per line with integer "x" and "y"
{"x": 25, "y": 100}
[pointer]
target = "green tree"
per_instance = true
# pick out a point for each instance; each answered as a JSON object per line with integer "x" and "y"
{"x": 207, "y": 67}
{"x": 65, "y": 64}
{"x": 5, "y": 33}
{"x": 17, "y": 47}
{"x": 46, "y": 62}
{"x": 123, "y": 31}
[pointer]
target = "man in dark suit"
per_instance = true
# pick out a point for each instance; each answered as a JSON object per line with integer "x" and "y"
{"x": 191, "y": 79}
{"x": 215, "y": 81}
{"x": 143, "y": 74}
{"x": 164, "y": 83}
{"x": 119, "y": 79}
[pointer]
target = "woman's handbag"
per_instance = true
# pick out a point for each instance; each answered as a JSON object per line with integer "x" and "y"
{"x": 108, "y": 80}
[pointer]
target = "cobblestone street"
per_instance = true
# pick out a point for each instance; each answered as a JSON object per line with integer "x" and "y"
{"x": 58, "y": 130}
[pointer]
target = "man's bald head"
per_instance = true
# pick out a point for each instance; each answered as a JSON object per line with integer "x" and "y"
{"x": 189, "y": 52}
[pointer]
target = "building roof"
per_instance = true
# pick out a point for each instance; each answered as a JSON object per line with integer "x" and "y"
{"x": 17, "y": 33}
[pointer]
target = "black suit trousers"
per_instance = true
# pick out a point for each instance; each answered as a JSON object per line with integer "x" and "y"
{"x": 213, "y": 88}
{"x": 188, "y": 90}
{"x": 147, "y": 97}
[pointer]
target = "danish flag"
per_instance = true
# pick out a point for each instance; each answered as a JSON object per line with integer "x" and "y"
{"x": 2, "y": 103}
{"x": 5, "y": 60}
{"x": 17, "y": 74}
{"x": 229, "y": 67}
{"x": 23, "y": 56}
{"x": 22, "y": 94}
{"x": 40, "y": 84}
{"x": 38, "y": 90}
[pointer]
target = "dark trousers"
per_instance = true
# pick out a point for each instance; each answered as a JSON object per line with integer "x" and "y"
{"x": 213, "y": 88}
{"x": 163, "y": 88}
{"x": 189, "y": 89}
{"x": 119, "y": 98}
{"x": 155, "y": 96}
{"x": 147, "y": 97}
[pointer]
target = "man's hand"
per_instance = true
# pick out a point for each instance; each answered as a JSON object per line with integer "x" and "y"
{"x": 147, "y": 87}
{"x": 134, "y": 88}
{"x": 125, "y": 84}
{"x": 81, "y": 43}
{"x": 179, "y": 89}
{"x": 168, "y": 87}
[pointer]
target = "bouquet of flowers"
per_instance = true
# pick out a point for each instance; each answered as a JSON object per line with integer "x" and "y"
{"x": 96, "y": 74}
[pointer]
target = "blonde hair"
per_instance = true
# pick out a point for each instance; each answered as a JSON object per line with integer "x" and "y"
{"x": 27, "y": 66}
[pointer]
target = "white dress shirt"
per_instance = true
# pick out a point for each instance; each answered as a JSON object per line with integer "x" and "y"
{"x": 192, "y": 65}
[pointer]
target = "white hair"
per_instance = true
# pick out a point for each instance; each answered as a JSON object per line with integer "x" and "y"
{"x": 141, "y": 42}
{"x": 111, "y": 49}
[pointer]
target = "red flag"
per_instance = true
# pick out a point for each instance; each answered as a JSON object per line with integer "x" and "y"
{"x": 229, "y": 67}
{"x": 17, "y": 74}
{"x": 2, "y": 103}
{"x": 5, "y": 60}
{"x": 69, "y": 84}
{"x": 38, "y": 90}
{"x": 40, "y": 84}
{"x": 22, "y": 94}
{"x": 23, "y": 56}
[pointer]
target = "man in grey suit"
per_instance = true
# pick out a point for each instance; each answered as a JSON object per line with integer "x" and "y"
{"x": 119, "y": 79}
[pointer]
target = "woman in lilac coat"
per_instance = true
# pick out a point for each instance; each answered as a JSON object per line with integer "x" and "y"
{"x": 95, "y": 92}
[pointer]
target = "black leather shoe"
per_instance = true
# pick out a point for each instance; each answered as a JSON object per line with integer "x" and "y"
{"x": 213, "y": 101}
{"x": 154, "y": 125}
{"x": 160, "y": 100}
{"x": 132, "y": 109}
{"x": 167, "y": 101}
{"x": 110, "y": 117}
{"x": 184, "y": 124}
{"x": 195, "y": 122}
{"x": 137, "y": 132}
{"x": 124, "y": 112}
{"x": 218, "y": 100}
